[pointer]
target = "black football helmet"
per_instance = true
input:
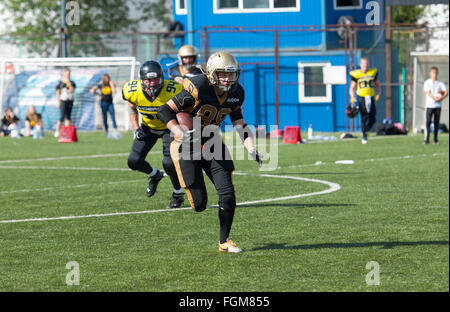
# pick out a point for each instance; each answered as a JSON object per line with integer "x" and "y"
{"x": 352, "y": 111}
{"x": 150, "y": 70}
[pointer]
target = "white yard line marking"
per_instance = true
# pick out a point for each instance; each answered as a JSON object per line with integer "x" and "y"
{"x": 320, "y": 163}
{"x": 65, "y": 168}
{"x": 333, "y": 187}
{"x": 64, "y": 158}
{"x": 68, "y": 187}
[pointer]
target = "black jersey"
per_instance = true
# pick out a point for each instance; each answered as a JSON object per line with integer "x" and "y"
{"x": 179, "y": 71}
{"x": 200, "y": 99}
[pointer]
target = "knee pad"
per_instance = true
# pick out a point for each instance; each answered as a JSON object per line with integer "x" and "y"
{"x": 168, "y": 164}
{"x": 198, "y": 199}
{"x": 227, "y": 201}
{"x": 133, "y": 162}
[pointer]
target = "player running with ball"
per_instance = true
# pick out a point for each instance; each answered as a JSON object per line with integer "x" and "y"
{"x": 211, "y": 97}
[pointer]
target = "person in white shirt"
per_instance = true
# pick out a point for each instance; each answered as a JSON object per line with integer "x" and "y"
{"x": 436, "y": 92}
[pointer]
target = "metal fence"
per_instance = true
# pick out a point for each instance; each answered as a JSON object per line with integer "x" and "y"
{"x": 389, "y": 50}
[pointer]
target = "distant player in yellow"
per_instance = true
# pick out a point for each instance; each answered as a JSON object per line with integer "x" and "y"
{"x": 145, "y": 96}
{"x": 364, "y": 82}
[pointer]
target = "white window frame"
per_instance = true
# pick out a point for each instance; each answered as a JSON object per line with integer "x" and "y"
{"x": 180, "y": 11}
{"x": 356, "y": 7}
{"x": 301, "y": 90}
{"x": 241, "y": 9}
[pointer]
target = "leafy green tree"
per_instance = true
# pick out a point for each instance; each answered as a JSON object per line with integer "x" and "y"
{"x": 407, "y": 14}
{"x": 39, "y": 21}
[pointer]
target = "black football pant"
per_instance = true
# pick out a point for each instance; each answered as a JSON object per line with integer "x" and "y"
{"x": 219, "y": 171}
{"x": 140, "y": 149}
{"x": 368, "y": 115}
{"x": 436, "y": 112}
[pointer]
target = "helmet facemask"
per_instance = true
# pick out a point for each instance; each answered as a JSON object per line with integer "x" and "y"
{"x": 155, "y": 89}
{"x": 225, "y": 84}
{"x": 188, "y": 66}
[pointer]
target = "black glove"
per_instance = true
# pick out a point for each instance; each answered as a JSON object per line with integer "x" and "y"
{"x": 257, "y": 156}
{"x": 139, "y": 134}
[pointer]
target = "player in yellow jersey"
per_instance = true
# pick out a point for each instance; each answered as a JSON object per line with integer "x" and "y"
{"x": 145, "y": 96}
{"x": 364, "y": 82}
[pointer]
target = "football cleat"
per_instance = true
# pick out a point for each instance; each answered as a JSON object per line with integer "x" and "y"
{"x": 229, "y": 246}
{"x": 176, "y": 201}
{"x": 153, "y": 183}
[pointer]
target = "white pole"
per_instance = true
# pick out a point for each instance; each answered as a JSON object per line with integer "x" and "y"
{"x": 2, "y": 84}
{"x": 414, "y": 95}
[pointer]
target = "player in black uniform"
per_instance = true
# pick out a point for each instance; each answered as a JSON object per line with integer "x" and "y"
{"x": 187, "y": 64}
{"x": 211, "y": 97}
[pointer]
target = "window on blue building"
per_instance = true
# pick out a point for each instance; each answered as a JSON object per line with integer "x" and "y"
{"x": 311, "y": 87}
{"x": 228, "y": 4}
{"x": 180, "y": 7}
{"x": 347, "y": 4}
{"x": 284, "y": 4}
{"x": 255, "y": 6}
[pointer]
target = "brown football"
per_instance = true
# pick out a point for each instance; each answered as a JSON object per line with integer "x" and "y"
{"x": 185, "y": 121}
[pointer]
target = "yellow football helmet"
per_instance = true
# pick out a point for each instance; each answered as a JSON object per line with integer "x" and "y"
{"x": 186, "y": 51}
{"x": 222, "y": 62}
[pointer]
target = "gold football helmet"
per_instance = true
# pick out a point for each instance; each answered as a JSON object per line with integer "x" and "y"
{"x": 186, "y": 51}
{"x": 222, "y": 62}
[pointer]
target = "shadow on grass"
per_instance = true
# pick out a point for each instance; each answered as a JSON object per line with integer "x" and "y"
{"x": 297, "y": 205}
{"x": 318, "y": 173}
{"x": 383, "y": 245}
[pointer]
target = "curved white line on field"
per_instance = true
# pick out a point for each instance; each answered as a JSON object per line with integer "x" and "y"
{"x": 333, "y": 187}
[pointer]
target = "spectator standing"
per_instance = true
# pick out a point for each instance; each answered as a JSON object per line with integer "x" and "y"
{"x": 436, "y": 91}
{"x": 106, "y": 89}
{"x": 65, "y": 91}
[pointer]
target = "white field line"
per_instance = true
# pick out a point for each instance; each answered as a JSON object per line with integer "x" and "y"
{"x": 280, "y": 167}
{"x": 9, "y": 161}
{"x": 333, "y": 187}
{"x": 68, "y": 187}
{"x": 368, "y": 160}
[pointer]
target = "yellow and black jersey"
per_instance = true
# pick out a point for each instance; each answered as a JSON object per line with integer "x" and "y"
{"x": 179, "y": 71}
{"x": 105, "y": 92}
{"x": 365, "y": 81}
{"x": 133, "y": 93}
{"x": 200, "y": 99}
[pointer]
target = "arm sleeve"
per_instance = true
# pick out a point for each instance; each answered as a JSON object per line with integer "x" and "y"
{"x": 166, "y": 114}
{"x": 376, "y": 76}
{"x": 183, "y": 100}
{"x": 353, "y": 78}
{"x": 58, "y": 86}
{"x": 426, "y": 86}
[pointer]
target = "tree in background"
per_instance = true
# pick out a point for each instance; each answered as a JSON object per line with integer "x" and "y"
{"x": 39, "y": 22}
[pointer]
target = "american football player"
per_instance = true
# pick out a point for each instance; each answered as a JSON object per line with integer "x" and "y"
{"x": 187, "y": 64}
{"x": 364, "y": 81}
{"x": 211, "y": 97}
{"x": 145, "y": 96}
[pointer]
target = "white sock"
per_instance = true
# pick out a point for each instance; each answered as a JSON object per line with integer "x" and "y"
{"x": 154, "y": 171}
{"x": 179, "y": 191}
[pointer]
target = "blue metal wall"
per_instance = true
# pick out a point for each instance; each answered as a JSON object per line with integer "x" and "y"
{"x": 365, "y": 39}
{"x": 259, "y": 84}
{"x": 311, "y": 13}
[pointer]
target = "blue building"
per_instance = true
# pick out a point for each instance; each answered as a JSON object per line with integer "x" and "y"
{"x": 251, "y": 30}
